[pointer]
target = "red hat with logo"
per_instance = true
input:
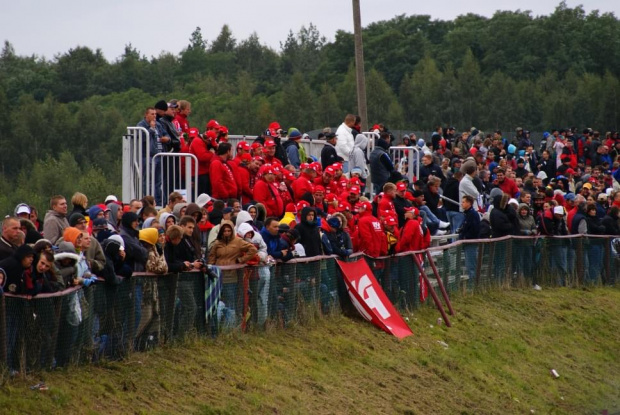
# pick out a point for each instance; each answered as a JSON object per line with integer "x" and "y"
{"x": 329, "y": 170}
{"x": 270, "y": 143}
{"x": 400, "y": 186}
{"x": 318, "y": 188}
{"x": 330, "y": 197}
{"x": 364, "y": 205}
{"x": 213, "y": 124}
{"x": 266, "y": 169}
{"x": 343, "y": 206}
{"x": 223, "y": 129}
{"x": 245, "y": 157}
{"x": 316, "y": 166}
{"x": 391, "y": 221}
{"x": 256, "y": 145}
{"x": 336, "y": 166}
{"x": 355, "y": 190}
{"x": 210, "y": 134}
{"x": 304, "y": 166}
{"x": 290, "y": 207}
{"x": 301, "y": 204}
{"x": 259, "y": 159}
{"x": 274, "y": 126}
{"x": 242, "y": 145}
{"x": 193, "y": 132}
{"x": 289, "y": 175}
{"x": 355, "y": 181}
{"x": 413, "y": 209}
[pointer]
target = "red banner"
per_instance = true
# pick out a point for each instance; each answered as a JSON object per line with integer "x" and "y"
{"x": 370, "y": 300}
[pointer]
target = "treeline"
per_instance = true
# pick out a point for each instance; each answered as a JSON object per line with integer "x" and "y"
{"x": 512, "y": 69}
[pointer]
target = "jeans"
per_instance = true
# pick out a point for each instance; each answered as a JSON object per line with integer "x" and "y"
{"x": 456, "y": 219}
{"x": 345, "y": 166}
{"x": 187, "y": 307}
{"x": 595, "y": 261}
{"x": 471, "y": 260}
{"x": 432, "y": 221}
{"x": 558, "y": 261}
{"x": 264, "y": 282}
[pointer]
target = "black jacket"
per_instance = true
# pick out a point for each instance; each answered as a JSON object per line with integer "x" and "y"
{"x": 309, "y": 235}
{"x": 329, "y": 156}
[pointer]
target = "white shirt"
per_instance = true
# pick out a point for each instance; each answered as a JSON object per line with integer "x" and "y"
{"x": 345, "y": 142}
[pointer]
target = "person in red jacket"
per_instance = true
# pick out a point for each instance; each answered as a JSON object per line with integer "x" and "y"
{"x": 327, "y": 181}
{"x": 270, "y": 153}
{"x": 266, "y": 192}
{"x": 372, "y": 240}
{"x": 223, "y": 184}
{"x": 387, "y": 201}
{"x": 303, "y": 183}
{"x": 411, "y": 235}
{"x": 199, "y": 148}
{"x": 180, "y": 119}
{"x": 243, "y": 176}
{"x": 242, "y": 148}
{"x": 507, "y": 185}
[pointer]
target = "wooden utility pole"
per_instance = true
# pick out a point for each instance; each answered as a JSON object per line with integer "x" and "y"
{"x": 359, "y": 65}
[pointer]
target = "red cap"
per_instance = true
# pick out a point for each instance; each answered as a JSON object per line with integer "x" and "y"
{"x": 290, "y": 208}
{"x": 213, "y": 124}
{"x": 364, "y": 205}
{"x": 355, "y": 181}
{"x": 289, "y": 175}
{"x": 266, "y": 169}
{"x": 375, "y": 127}
{"x": 412, "y": 209}
{"x": 343, "y": 183}
{"x": 355, "y": 190}
{"x": 400, "y": 186}
{"x": 316, "y": 166}
{"x": 223, "y": 129}
{"x": 336, "y": 166}
{"x": 343, "y": 206}
{"x": 242, "y": 145}
{"x": 211, "y": 134}
{"x": 301, "y": 204}
{"x": 256, "y": 145}
{"x": 259, "y": 158}
{"x": 569, "y": 171}
{"x": 329, "y": 170}
{"x": 330, "y": 197}
{"x": 390, "y": 221}
{"x": 270, "y": 143}
{"x": 319, "y": 188}
{"x": 304, "y": 166}
{"x": 126, "y": 208}
{"x": 274, "y": 126}
{"x": 246, "y": 157}
{"x": 385, "y": 213}
{"x": 193, "y": 132}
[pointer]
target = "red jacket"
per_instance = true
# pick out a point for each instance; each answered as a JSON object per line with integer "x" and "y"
{"x": 387, "y": 203}
{"x": 331, "y": 187}
{"x": 372, "y": 240}
{"x": 269, "y": 195}
{"x": 180, "y": 123}
{"x": 411, "y": 237}
{"x": 223, "y": 184}
{"x": 509, "y": 186}
{"x": 302, "y": 185}
{"x": 199, "y": 148}
{"x": 242, "y": 176}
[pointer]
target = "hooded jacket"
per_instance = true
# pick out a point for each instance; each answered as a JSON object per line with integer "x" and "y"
{"x": 196, "y": 239}
{"x": 357, "y": 157}
{"x": 66, "y": 250}
{"x": 176, "y": 211}
{"x": 17, "y": 279}
{"x": 371, "y": 238}
{"x": 309, "y": 235}
{"x": 503, "y": 217}
{"x": 135, "y": 254}
{"x": 53, "y": 225}
{"x": 257, "y": 239}
{"x": 232, "y": 251}
{"x": 269, "y": 195}
{"x": 527, "y": 224}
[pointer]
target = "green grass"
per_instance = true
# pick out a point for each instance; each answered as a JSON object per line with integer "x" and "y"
{"x": 501, "y": 349}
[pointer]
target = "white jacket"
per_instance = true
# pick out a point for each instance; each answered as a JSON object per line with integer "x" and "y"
{"x": 467, "y": 187}
{"x": 344, "y": 145}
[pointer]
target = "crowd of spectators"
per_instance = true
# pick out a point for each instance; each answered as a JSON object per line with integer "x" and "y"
{"x": 267, "y": 201}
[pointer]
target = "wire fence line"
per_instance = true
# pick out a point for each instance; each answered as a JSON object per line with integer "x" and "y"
{"x": 82, "y": 325}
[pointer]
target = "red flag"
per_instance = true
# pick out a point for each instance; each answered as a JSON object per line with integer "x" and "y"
{"x": 370, "y": 300}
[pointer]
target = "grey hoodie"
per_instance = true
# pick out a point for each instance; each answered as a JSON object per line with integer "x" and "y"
{"x": 357, "y": 158}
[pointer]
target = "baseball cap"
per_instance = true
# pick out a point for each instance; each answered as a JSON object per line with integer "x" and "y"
{"x": 390, "y": 221}
{"x": 290, "y": 207}
{"x": 558, "y": 210}
{"x": 343, "y": 206}
{"x": 602, "y": 196}
{"x": 270, "y": 143}
{"x": 223, "y": 129}
{"x": 245, "y": 157}
{"x": 243, "y": 146}
{"x": 588, "y": 186}
{"x": 400, "y": 186}
{"x": 193, "y": 132}
{"x": 256, "y": 145}
{"x": 316, "y": 166}
{"x": 110, "y": 198}
{"x": 355, "y": 190}
{"x": 301, "y": 204}
{"x": 203, "y": 199}
{"x": 336, "y": 166}
{"x": 22, "y": 208}
{"x": 329, "y": 170}
{"x": 274, "y": 126}
{"x": 227, "y": 210}
{"x": 213, "y": 124}
{"x": 319, "y": 188}
{"x": 364, "y": 205}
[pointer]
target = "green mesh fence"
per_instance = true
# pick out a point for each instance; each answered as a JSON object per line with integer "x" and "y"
{"x": 108, "y": 321}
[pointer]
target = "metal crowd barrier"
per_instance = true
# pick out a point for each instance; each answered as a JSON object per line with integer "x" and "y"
{"x": 103, "y": 321}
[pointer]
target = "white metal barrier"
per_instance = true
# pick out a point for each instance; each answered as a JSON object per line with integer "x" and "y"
{"x": 135, "y": 151}
{"x": 406, "y": 161}
{"x": 175, "y": 175}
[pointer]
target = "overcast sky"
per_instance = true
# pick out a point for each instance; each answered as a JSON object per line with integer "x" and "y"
{"x": 46, "y": 28}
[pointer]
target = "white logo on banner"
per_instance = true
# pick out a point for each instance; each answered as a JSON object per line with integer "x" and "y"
{"x": 370, "y": 297}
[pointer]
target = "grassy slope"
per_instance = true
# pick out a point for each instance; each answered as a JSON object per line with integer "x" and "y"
{"x": 501, "y": 349}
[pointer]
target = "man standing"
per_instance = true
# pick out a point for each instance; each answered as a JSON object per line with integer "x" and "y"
{"x": 345, "y": 141}
{"x": 10, "y": 230}
{"x": 55, "y": 219}
{"x": 469, "y": 230}
{"x": 330, "y": 153}
{"x": 223, "y": 182}
{"x": 155, "y": 145}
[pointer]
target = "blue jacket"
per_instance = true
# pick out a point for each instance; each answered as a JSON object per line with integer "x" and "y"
{"x": 471, "y": 225}
{"x": 154, "y": 145}
{"x": 274, "y": 245}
